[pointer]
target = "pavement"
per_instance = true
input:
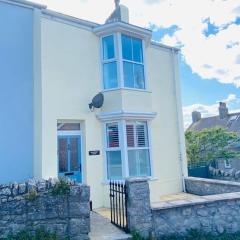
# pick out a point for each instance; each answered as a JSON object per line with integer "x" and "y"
{"x": 103, "y": 229}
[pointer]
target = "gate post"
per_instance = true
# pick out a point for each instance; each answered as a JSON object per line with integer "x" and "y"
{"x": 139, "y": 214}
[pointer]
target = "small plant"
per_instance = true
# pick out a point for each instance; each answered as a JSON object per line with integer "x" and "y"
{"x": 32, "y": 195}
{"x": 136, "y": 236}
{"x": 61, "y": 187}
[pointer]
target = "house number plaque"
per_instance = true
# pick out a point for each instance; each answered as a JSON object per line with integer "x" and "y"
{"x": 94, "y": 153}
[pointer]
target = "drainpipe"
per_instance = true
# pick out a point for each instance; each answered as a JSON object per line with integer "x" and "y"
{"x": 181, "y": 136}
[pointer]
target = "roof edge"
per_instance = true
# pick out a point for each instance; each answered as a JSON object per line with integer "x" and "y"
{"x": 25, "y": 3}
{"x": 161, "y": 45}
{"x": 118, "y": 26}
{"x": 69, "y": 18}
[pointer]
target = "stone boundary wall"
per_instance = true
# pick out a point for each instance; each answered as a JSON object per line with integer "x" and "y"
{"x": 211, "y": 213}
{"x": 32, "y": 205}
{"x": 230, "y": 175}
{"x": 215, "y": 214}
{"x": 204, "y": 186}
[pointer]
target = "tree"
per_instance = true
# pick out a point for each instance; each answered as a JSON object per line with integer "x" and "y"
{"x": 208, "y": 145}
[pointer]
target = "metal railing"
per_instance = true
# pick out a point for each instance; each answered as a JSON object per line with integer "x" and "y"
{"x": 118, "y": 204}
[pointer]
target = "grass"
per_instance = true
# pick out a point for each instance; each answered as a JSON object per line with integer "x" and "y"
{"x": 40, "y": 234}
{"x": 195, "y": 235}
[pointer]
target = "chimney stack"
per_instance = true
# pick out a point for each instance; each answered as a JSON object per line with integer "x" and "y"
{"x": 120, "y": 14}
{"x": 196, "y": 116}
{"x": 223, "y": 110}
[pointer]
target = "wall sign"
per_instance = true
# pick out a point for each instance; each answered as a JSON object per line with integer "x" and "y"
{"x": 94, "y": 152}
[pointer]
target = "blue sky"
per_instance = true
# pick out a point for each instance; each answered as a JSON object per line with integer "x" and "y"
{"x": 207, "y": 31}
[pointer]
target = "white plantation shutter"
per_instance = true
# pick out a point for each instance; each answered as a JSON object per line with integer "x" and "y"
{"x": 142, "y": 137}
{"x": 137, "y": 135}
{"x": 130, "y": 135}
{"x": 112, "y": 135}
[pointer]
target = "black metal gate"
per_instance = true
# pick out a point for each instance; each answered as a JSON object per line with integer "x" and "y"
{"x": 118, "y": 204}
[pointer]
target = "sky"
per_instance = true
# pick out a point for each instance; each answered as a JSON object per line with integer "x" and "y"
{"x": 206, "y": 31}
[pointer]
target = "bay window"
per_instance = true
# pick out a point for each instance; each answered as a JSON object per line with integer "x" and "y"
{"x": 130, "y": 60}
{"x": 137, "y": 154}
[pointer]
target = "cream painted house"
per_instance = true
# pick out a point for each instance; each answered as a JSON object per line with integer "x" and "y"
{"x": 61, "y": 63}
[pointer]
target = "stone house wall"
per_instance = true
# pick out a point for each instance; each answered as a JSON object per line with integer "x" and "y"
{"x": 210, "y": 213}
{"x": 67, "y": 215}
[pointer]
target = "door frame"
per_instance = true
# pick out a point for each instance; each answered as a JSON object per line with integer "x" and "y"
{"x": 77, "y": 133}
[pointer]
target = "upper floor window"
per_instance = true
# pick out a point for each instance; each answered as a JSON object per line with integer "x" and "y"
{"x": 109, "y": 63}
{"x": 133, "y": 67}
{"x": 131, "y": 62}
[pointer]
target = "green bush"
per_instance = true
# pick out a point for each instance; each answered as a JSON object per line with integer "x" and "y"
{"x": 40, "y": 234}
{"x": 61, "y": 188}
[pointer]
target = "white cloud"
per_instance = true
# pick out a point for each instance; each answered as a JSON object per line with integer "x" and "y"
{"x": 215, "y": 56}
{"x": 210, "y": 110}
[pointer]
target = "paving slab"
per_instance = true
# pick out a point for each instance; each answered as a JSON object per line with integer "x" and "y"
{"x": 103, "y": 229}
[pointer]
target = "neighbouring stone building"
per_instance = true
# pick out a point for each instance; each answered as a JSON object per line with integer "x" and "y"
{"x": 229, "y": 121}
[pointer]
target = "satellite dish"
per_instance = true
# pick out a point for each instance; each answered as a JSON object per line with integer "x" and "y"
{"x": 97, "y": 101}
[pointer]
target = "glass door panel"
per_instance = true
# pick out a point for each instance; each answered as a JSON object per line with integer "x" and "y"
{"x": 63, "y": 154}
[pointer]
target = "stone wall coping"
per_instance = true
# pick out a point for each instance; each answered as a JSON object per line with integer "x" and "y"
{"x": 17, "y": 191}
{"x": 201, "y": 200}
{"x": 213, "y": 181}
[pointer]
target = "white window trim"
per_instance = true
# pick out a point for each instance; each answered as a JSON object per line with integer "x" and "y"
{"x": 115, "y": 59}
{"x": 124, "y": 149}
{"x": 229, "y": 165}
{"x": 123, "y": 115}
{"x": 135, "y": 141}
{"x": 119, "y": 61}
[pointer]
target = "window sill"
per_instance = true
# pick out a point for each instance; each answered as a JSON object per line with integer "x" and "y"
{"x": 106, "y": 182}
{"x": 123, "y": 88}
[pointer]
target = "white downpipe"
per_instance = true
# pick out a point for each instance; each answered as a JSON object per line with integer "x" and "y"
{"x": 181, "y": 137}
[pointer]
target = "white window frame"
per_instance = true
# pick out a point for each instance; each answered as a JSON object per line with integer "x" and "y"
{"x": 134, "y": 123}
{"x": 124, "y": 148}
{"x": 115, "y": 59}
{"x": 132, "y": 62}
{"x": 112, "y": 149}
{"x": 119, "y": 61}
{"x": 229, "y": 165}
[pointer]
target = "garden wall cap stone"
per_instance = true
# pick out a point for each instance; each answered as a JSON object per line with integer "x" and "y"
{"x": 198, "y": 201}
{"x": 213, "y": 181}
